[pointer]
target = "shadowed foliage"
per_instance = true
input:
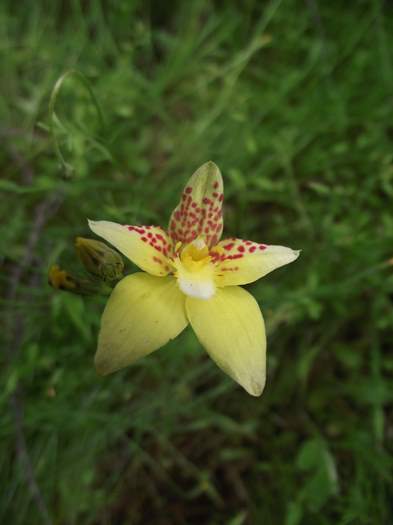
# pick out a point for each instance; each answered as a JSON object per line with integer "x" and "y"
{"x": 293, "y": 100}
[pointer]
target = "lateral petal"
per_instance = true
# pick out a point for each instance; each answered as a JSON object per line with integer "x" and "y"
{"x": 242, "y": 262}
{"x": 146, "y": 246}
{"x": 230, "y": 326}
{"x": 199, "y": 211}
{"x": 143, "y": 313}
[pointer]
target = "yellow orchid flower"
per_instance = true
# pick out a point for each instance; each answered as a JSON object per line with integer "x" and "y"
{"x": 191, "y": 277}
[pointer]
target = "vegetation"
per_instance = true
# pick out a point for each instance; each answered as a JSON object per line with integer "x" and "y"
{"x": 293, "y": 100}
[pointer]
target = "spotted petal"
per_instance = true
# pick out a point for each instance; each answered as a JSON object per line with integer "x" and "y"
{"x": 242, "y": 262}
{"x": 143, "y": 313}
{"x": 146, "y": 246}
{"x": 199, "y": 211}
{"x": 230, "y": 326}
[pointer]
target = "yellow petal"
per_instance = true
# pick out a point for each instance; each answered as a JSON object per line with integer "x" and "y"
{"x": 243, "y": 262}
{"x": 199, "y": 211}
{"x": 230, "y": 326}
{"x": 146, "y": 246}
{"x": 142, "y": 314}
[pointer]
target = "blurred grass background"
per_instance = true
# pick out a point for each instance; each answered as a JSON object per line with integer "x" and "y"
{"x": 294, "y": 101}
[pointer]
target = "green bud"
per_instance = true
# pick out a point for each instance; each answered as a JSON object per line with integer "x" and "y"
{"x": 99, "y": 259}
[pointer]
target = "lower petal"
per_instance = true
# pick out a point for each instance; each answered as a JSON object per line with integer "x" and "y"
{"x": 231, "y": 328}
{"x": 143, "y": 313}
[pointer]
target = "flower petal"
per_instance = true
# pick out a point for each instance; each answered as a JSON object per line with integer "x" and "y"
{"x": 142, "y": 314}
{"x": 146, "y": 246}
{"x": 243, "y": 262}
{"x": 199, "y": 211}
{"x": 230, "y": 326}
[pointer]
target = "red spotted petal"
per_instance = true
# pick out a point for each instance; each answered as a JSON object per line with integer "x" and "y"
{"x": 199, "y": 212}
{"x": 147, "y": 246}
{"x": 241, "y": 262}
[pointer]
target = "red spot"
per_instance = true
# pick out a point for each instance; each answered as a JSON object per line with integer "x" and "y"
{"x": 228, "y": 246}
{"x": 150, "y": 235}
{"x": 252, "y": 249}
{"x": 221, "y": 198}
{"x": 206, "y": 201}
{"x": 159, "y": 237}
{"x": 237, "y": 256}
{"x": 215, "y": 195}
{"x": 157, "y": 259}
{"x": 240, "y": 248}
{"x": 144, "y": 239}
{"x": 207, "y": 230}
{"x": 248, "y": 243}
{"x": 141, "y": 231}
{"x": 158, "y": 248}
{"x": 188, "y": 189}
{"x": 131, "y": 228}
{"x": 262, "y": 246}
{"x": 215, "y": 185}
{"x": 194, "y": 204}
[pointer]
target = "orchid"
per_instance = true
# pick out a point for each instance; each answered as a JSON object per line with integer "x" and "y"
{"x": 189, "y": 277}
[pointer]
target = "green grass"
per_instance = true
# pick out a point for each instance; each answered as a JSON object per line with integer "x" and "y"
{"x": 293, "y": 100}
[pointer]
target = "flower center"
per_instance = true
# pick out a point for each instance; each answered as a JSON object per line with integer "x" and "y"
{"x": 194, "y": 270}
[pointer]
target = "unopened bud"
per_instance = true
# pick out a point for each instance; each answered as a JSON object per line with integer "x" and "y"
{"x": 62, "y": 280}
{"x": 99, "y": 259}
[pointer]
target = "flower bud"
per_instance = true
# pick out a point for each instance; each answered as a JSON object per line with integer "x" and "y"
{"x": 62, "y": 280}
{"x": 99, "y": 259}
